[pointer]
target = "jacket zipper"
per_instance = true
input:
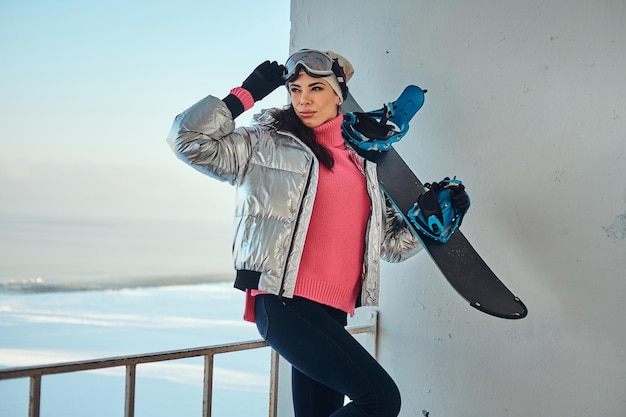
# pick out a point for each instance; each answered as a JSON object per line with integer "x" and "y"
{"x": 281, "y": 291}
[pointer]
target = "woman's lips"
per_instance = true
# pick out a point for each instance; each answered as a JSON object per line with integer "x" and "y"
{"x": 307, "y": 113}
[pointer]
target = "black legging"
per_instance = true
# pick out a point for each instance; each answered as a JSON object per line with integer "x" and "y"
{"x": 328, "y": 362}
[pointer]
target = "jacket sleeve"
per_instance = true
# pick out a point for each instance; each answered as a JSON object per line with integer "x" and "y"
{"x": 399, "y": 243}
{"x": 204, "y": 136}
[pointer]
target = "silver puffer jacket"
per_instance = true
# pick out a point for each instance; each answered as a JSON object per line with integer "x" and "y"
{"x": 276, "y": 178}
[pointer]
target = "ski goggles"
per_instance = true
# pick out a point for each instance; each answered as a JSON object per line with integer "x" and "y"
{"x": 316, "y": 64}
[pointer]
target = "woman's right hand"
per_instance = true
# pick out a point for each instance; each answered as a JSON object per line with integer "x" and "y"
{"x": 265, "y": 78}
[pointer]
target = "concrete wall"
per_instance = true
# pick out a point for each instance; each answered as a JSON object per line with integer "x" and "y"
{"x": 526, "y": 104}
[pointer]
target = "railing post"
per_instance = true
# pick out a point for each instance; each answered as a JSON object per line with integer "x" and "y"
{"x": 273, "y": 411}
{"x": 129, "y": 402}
{"x": 207, "y": 401}
{"x": 34, "y": 400}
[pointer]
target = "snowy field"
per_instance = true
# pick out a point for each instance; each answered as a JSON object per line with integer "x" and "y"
{"x": 74, "y": 289}
{"x": 51, "y": 327}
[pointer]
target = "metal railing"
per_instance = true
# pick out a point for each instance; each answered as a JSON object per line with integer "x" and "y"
{"x": 35, "y": 373}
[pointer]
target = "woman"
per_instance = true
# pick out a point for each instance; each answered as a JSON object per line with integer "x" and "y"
{"x": 311, "y": 226}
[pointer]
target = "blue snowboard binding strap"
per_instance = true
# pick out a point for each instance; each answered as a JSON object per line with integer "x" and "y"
{"x": 439, "y": 211}
{"x": 379, "y": 129}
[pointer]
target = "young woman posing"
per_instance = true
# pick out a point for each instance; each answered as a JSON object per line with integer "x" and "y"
{"x": 311, "y": 226}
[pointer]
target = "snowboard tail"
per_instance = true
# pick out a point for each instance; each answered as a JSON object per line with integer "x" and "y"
{"x": 459, "y": 262}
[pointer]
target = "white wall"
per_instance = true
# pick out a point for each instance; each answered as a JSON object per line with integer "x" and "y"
{"x": 526, "y": 104}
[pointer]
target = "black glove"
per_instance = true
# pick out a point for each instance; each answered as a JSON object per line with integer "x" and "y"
{"x": 265, "y": 78}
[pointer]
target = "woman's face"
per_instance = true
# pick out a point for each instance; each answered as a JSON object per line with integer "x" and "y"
{"x": 313, "y": 99}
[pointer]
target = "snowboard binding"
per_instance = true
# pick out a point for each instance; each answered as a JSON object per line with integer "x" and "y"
{"x": 439, "y": 211}
{"x": 379, "y": 129}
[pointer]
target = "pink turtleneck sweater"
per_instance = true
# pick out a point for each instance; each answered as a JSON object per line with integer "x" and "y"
{"x": 332, "y": 260}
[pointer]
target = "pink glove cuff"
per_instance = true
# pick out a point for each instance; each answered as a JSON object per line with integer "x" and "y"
{"x": 244, "y": 96}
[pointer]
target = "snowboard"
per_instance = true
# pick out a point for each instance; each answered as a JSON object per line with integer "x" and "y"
{"x": 457, "y": 260}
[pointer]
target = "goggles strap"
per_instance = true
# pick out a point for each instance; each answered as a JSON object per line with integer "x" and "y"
{"x": 341, "y": 78}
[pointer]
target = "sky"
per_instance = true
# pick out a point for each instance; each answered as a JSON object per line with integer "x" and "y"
{"x": 89, "y": 89}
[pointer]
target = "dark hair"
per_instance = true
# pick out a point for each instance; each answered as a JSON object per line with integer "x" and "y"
{"x": 286, "y": 119}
